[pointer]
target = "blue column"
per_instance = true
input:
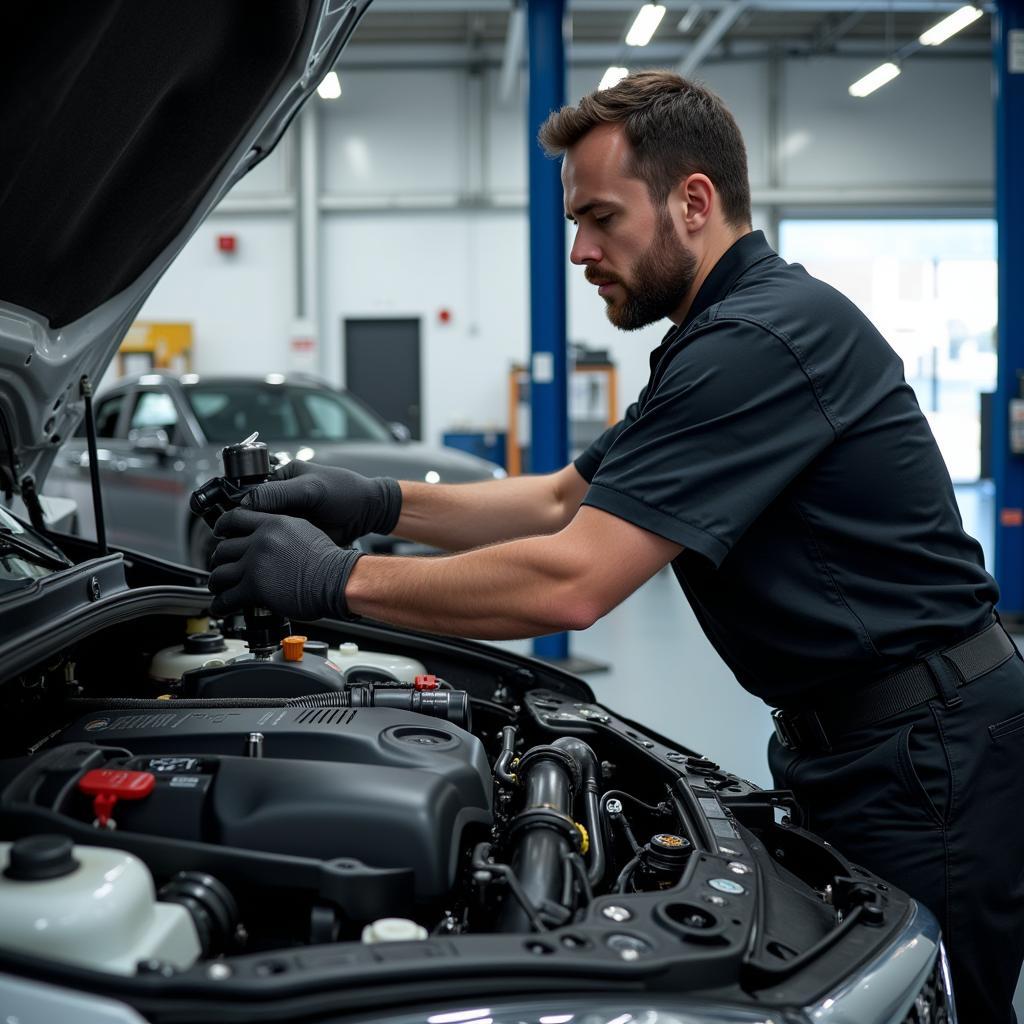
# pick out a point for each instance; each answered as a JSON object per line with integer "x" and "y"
{"x": 1008, "y": 468}
{"x": 549, "y": 410}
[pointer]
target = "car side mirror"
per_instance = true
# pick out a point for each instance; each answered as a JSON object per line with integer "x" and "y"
{"x": 400, "y": 432}
{"x": 150, "y": 439}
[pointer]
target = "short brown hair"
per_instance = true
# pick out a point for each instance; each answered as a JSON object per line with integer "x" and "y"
{"x": 675, "y": 128}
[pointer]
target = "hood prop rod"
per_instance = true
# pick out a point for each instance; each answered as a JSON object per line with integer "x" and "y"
{"x": 85, "y": 389}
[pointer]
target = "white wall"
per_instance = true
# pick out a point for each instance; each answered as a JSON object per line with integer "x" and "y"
{"x": 423, "y": 176}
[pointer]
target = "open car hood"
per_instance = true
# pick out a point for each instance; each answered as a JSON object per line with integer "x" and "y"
{"x": 121, "y": 127}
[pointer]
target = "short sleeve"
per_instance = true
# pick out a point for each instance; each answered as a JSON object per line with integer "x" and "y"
{"x": 731, "y": 421}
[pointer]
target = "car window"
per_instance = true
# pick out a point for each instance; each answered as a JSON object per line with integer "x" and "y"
{"x": 232, "y": 411}
{"x": 229, "y": 413}
{"x": 338, "y": 418}
{"x": 154, "y": 410}
{"x": 107, "y": 414}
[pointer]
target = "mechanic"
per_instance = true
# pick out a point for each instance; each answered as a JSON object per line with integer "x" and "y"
{"x": 780, "y": 463}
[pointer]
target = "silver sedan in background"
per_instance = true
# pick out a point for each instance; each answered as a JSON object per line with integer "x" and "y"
{"x": 159, "y": 436}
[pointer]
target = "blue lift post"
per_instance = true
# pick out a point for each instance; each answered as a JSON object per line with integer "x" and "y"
{"x": 1008, "y": 466}
{"x": 549, "y": 407}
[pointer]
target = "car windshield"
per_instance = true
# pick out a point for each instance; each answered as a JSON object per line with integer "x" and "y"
{"x": 228, "y": 412}
{"x": 21, "y": 561}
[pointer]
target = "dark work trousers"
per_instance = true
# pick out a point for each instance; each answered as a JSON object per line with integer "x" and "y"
{"x": 932, "y": 800}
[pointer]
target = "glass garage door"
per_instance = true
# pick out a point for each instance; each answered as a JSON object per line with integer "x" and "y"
{"x": 930, "y": 288}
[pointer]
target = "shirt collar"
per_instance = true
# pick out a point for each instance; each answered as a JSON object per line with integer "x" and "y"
{"x": 731, "y": 266}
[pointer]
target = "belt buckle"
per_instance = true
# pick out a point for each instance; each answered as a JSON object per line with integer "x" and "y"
{"x": 782, "y": 730}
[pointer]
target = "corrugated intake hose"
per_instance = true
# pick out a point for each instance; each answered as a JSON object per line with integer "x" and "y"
{"x": 544, "y": 836}
{"x": 317, "y": 700}
{"x": 590, "y": 773}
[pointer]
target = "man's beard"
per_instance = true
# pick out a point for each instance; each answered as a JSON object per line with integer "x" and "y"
{"x": 660, "y": 279}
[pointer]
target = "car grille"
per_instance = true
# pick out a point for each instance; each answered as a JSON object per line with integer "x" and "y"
{"x": 929, "y": 1006}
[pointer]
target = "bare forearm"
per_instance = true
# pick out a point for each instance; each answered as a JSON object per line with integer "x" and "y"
{"x": 521, "y": 588}
{"x": 457, "y": 517}
{"x": 517, "y": 589}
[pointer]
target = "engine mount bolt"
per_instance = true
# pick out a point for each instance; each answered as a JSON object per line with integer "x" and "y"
{"x": 617, "y": 914}
{"x": 613, "y": 806}
{"x": 219, "y": 972}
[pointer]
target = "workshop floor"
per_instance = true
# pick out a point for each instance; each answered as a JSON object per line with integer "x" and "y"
{"x": 663, "y": 670}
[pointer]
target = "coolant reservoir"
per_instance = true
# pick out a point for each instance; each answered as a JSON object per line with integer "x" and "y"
{"x": 349, "y": 658}
{"x": 88, "y": 905}
{"x": 198, "y": 651}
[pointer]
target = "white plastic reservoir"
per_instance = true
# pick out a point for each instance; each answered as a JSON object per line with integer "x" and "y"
{"x": 101, "y": 913}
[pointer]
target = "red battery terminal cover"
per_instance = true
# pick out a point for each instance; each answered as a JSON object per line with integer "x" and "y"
{"x": 426, "y": 683}
{"x": 108, "y": 785}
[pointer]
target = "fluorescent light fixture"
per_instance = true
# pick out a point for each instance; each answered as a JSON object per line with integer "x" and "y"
{"x": 874, "y": 79}
{"x": 689, "y": 19}
{"x": 960, "y": 19}
{"x": 648, "y": 18}
{"x": 274, "y": 378}
{"x": 330, "y": 87}
{"x": 456, "y": 1018}
{"x": 562, "y": 1018}
{"x": 612, "y": 77}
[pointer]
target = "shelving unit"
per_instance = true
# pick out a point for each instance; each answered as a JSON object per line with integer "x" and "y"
{"x": 593, "y": 407}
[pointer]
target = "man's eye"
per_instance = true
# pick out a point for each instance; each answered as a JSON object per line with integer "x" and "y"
{"x": 604, "y": 219}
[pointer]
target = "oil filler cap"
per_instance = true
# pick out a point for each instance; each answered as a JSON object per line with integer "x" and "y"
{"x": 293, "y": 647}
{"x": 38, "y": 858}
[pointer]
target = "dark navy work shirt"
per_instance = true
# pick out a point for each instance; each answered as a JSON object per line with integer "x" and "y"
{"x": 778, "y": 441}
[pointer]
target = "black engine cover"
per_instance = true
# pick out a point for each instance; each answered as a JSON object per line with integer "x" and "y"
{"x": 385, "y": 787}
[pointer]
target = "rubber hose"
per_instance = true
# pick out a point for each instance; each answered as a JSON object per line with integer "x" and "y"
{"x": 590, "y": 773}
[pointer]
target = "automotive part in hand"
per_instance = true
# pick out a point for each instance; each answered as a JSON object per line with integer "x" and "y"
{"x": 278, "y": 563}
{"x": 345, "y": 505}
{"x": 246, "y": 465}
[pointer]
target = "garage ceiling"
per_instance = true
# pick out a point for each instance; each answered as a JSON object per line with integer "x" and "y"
{"x": 471, "y": 31}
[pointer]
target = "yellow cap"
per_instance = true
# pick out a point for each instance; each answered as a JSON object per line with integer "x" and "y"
{"x": 584, "y": 838}
{"x": 293, "y": 647}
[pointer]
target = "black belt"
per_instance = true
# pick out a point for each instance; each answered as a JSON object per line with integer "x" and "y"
{"x": 897, "y": 692}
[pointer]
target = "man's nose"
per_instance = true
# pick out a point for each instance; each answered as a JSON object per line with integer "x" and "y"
{"x": 584, "y": 251}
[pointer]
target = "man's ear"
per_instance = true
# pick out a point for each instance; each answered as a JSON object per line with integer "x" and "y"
{"x": 696, "y": 197}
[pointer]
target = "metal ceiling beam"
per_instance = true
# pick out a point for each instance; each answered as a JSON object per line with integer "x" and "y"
{"x": 411, "y": 56}
{"x": 513, "y": 56}
{"x": 711, "y": 36}
{"x": 679, "y": 6}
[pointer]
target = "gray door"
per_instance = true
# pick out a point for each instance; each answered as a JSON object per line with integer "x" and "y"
{"x": 382, "y": 367}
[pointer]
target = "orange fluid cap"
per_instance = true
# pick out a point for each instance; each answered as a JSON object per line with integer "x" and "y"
{"x": 293, "y": 647}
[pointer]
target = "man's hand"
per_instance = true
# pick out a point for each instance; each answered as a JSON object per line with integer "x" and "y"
{"x": 280, "y": 563}
{"x": 343, "y": 504}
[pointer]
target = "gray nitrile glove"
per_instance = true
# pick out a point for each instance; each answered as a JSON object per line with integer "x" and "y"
{"x": 345, "y": 505}
{"x": 280, "y": 563}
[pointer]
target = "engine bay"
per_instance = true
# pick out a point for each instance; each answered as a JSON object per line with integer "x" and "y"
{"x": 355, "y": 800}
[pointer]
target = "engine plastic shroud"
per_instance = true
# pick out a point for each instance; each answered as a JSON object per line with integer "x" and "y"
{"x": 383, "y": 786}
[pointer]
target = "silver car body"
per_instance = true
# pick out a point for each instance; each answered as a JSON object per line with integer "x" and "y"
{"x": 149, "y": 465}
